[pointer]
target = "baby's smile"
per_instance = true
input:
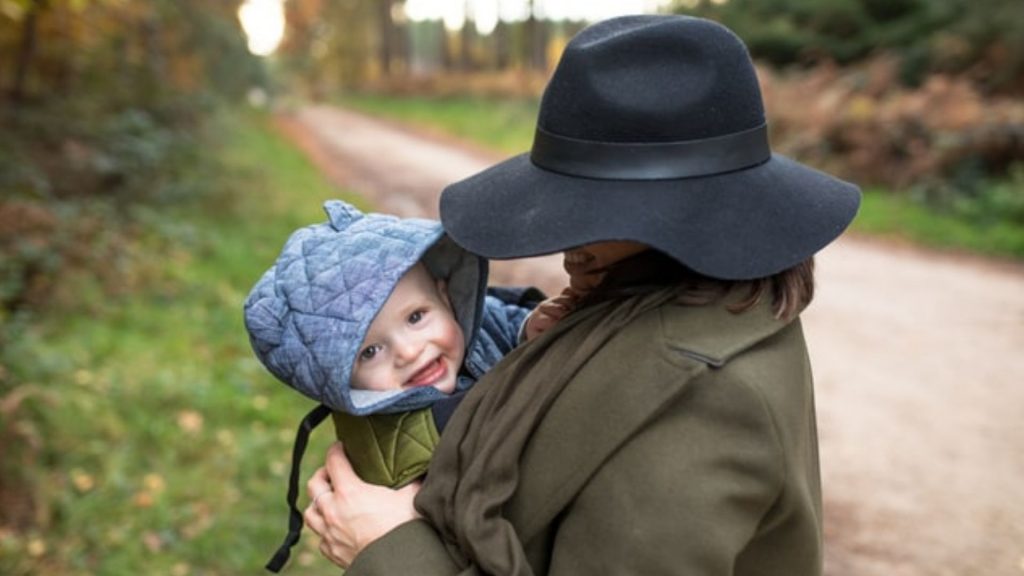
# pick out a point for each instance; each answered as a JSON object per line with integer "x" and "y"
{"x": 434, "y": 371}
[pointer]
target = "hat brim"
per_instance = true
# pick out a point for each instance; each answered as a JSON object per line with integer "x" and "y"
{"x": 738, "y": 225}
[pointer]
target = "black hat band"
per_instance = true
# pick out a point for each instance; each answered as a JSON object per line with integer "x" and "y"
{"x": 650, "y": 160}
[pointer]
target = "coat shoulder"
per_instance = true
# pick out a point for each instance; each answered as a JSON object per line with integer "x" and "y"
{"x": 713, "y": 334}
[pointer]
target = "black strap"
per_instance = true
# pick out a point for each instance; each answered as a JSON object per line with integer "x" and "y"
{"x": 650, "y": 160}
{"x": 311, "y": 421}
{"x": 522, "y": 296}
{"x": 443, "y": 408}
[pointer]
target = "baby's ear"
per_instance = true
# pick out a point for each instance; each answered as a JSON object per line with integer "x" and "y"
{"x": 341, "y": 214}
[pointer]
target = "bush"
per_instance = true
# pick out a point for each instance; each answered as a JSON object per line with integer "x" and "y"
{"x": 978, "y": 39}
{"x": 76, "y": 186}
{"x": 994, "y": 201}
{"x": 863, "y": 125}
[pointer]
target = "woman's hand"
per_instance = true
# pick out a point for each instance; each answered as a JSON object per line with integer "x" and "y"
{"x": 549, "y": 312}
{"x": 349, "y": 514}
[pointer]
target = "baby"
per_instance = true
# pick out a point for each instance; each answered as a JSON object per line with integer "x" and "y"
{"x": 385, "y": 322}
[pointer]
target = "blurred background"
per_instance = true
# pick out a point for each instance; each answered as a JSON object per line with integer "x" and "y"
{"x": 153, "y": 160}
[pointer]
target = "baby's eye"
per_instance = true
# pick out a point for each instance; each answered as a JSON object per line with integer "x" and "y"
{"x": 416, "y": 316}
{"x": 369, "y": 352}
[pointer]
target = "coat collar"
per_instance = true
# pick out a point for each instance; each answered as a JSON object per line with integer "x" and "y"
{"x": 713, "y": 335}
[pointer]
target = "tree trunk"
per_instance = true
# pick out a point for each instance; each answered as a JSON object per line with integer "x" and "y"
{"x": 65, "y": 74}
{"x": 536, "y": 52}
{"x": 26, "y": 51}
{"x": 447, "y": 60}
{"x": 501, "y": 46}
{"x": 401, "y": 52}
{"x": 386, "y": 29}
{"x": 466, "y": 46}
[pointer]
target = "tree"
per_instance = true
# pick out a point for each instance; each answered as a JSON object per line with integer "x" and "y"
{"x": 536, "y": 41}
{"x": 27, "y": 47}
{"x": 981, "y": 38}
{"x": 386, "y": 35}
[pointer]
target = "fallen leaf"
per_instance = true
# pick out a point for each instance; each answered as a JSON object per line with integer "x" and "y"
{"x": 142, "y": 499}
{"x": 190, "y": 421}
{"x": 82, "y": 480}
{"x": 153, "y": 482}
{"x": 36, "y": 547}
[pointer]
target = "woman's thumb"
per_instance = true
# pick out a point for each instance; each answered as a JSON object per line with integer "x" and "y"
{"x": 339, "y": 469}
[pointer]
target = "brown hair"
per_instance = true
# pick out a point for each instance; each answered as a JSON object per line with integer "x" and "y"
{"x": 790, "y": 290}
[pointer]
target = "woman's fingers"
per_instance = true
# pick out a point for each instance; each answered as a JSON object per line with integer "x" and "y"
{"x": 319, "y": 483}
{"x": 538, "y": 322}
{"x": 318, "y": 487}
{"x": 342, "y": 478}
{"x": 315, "y": 520}
{"x": 348, "y": 513}
{"x": 550, "y": 312}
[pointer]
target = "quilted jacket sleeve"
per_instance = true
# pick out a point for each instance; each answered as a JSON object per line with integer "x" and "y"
{"x": 505, "y": 310}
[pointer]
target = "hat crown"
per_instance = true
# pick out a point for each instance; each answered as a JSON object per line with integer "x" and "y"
{"x": 652, "y": 79}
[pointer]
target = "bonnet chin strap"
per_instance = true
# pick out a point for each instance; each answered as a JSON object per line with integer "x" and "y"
{"x": 311, "y": 421}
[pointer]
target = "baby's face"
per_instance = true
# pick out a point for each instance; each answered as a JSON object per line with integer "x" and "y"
{"x": 414, "y": 341}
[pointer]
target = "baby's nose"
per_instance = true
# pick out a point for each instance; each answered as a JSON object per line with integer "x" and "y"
{"x": 407, "y": 350}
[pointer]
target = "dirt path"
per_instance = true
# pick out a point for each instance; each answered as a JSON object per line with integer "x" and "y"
{"x": 918, "y": 357}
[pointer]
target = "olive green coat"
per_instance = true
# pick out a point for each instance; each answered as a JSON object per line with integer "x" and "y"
{"x": 702, "y": 460}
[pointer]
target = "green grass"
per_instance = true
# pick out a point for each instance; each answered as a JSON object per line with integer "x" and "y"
{"x": 154, "y": 441}
{"x": 884, "y": 214}
{"x": 507, "y": 126}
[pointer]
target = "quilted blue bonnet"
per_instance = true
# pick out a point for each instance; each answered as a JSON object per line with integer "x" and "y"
{"x": 308, "y": 314}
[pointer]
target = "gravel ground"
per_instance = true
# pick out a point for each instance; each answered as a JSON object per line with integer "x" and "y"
{"x": 918, "y": 358}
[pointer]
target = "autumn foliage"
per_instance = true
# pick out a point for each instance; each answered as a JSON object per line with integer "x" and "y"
{"x": 861, "y": 122}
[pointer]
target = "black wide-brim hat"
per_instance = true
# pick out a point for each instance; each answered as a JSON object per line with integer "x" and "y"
{"x": 652, "y": 129}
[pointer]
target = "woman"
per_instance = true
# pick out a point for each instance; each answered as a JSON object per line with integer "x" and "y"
{"x": 666, "y": 425}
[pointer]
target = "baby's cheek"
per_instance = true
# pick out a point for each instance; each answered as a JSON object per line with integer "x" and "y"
{"x": 458, "y": 345}
{"x": 366, "y": 379}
